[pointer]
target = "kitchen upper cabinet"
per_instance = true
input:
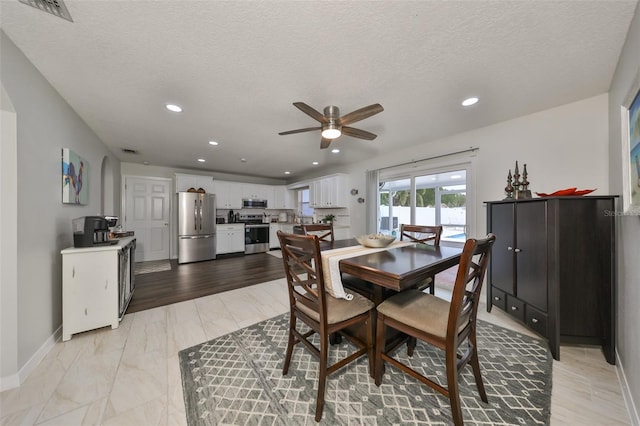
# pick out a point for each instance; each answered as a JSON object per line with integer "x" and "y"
{"x": 552, "y": 267}
{"x": 228, "y": 194}
{"x": 185, "y": 181}
{"x": 229, "y": 238}
{"x": 256, "y": 191}
{"x": 328, "y": 192}
{"x": 283, "y": 198}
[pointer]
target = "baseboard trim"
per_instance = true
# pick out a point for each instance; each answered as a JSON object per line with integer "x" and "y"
{"x": 15, "y": 380}
{"x": 626, "y": 392}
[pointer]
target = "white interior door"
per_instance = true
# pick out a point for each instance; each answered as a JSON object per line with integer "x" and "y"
{"x": 146, "y": 212}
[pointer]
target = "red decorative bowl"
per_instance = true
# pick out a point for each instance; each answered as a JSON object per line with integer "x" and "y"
{"x": 566, "y": 192}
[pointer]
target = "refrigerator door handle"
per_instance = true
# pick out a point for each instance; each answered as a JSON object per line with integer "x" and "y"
{"x": 195, "y": 237}
{"x": 195, "y": 215}
{"x": 200, "y": 213}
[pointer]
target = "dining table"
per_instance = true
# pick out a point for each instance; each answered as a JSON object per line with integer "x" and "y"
{"x": 396, "y": 268}
{"x": 385, "y": 272}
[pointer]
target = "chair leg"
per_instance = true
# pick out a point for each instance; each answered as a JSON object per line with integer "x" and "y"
{"x": 371, "y": 344}
{"x": 475, "y": 364}
{"x": 322, "y": 378}
{"x": 380, "y": 347}
{"x": 411, "y": 345}
{"x": 452, "y": 385}
{"x": 287, "y": 359}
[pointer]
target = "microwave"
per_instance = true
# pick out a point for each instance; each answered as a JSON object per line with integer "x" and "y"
{"x": 254, "y": 204}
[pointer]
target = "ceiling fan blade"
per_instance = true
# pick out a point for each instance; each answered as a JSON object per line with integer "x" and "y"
{"x": 324, "y": 143}
{"x": 358, "y": 133}
{"x": 316, "y": 115}
{"x": 308, "y": 129}
{"x": 360, "y": 114}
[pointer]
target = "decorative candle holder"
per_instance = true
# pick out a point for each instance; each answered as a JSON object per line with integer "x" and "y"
{"x": 518, "y": 189}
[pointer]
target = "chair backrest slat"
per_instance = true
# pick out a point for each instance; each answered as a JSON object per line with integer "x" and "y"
{"x": 303, "y": 270}
{"x": 324, "y": 231}
{"x": 421, "y": 233}
{"x": 466, "y": 291}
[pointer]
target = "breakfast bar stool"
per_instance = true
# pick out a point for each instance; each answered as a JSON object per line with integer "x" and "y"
{"x": 445, "y": 325}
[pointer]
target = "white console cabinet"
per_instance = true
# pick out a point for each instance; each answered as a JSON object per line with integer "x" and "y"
{"x": 97, "y": 285}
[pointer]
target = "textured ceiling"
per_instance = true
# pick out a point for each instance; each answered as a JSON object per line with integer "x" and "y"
{"x": 236, "y": 67}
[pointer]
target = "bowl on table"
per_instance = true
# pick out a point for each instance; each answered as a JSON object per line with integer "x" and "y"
{"x": 375, "y": 240}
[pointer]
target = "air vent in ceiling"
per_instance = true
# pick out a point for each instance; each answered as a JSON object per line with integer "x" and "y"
{"x": 129, "y": 151}
{"x": 54, "y": 7}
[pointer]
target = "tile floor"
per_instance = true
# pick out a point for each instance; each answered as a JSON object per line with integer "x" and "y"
{"x": 131, "y": 375}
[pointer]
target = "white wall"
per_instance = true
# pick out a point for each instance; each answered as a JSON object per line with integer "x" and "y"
{"x": 628, "y": 347}
{"x": 562, "y": 147}
{"x": 8, "y": 242}
{"x": 45, "y": 125}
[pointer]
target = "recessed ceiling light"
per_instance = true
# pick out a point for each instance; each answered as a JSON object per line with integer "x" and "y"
{"x": 243, "y": 160}
{"x": 146, "y": 163}
{"x": 470, "y": 101}
{"x": 315, "y": 163}
{"x": 174, "y": 108}
{"x": 202, "y": 160}
{"x": 287, "y": 173}
{"x": 335, "y": 150}
{"x": 214, "y": 143}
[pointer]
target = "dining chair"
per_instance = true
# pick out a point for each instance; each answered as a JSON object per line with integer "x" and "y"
{"x": 324, "y": 231}
{"x": 423, "y": 234}
{"x": 445, "y": 325}
{"x": 311, "y": 305}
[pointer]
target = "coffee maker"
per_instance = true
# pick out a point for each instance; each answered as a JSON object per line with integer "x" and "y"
{"x": 89, "y": 231}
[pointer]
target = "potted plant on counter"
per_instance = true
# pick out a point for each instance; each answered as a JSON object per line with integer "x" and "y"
{"x": 328, "y": 218}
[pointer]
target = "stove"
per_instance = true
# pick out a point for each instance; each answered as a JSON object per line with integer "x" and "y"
{"x": 256, "y": 233}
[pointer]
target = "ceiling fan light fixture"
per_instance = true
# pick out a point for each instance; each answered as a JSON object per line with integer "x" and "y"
{"x": 331, "y": 131}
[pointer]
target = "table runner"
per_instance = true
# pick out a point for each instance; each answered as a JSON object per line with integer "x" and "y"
{"x": 331, "y": 265}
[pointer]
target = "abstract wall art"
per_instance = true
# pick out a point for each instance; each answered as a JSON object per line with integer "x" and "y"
{"x": 75, "y": 178}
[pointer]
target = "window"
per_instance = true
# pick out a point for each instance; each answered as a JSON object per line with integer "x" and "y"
{"x": 425, "y": 197}
{"x": 303, "y": 203}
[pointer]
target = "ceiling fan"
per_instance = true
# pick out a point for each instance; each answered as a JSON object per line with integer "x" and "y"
{"x": 333, "y": 126}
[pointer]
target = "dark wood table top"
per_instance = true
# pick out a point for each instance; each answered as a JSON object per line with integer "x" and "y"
{"x": 397, "y": 268}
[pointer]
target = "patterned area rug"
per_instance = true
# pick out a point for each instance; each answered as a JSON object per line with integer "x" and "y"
{"x": 153, "y": 266}
{"x": 237, "y": 379}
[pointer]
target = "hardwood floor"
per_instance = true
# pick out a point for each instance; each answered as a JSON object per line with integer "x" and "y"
{"x": 191, "y": 280}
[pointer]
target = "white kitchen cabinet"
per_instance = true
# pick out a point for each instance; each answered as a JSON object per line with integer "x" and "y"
{"x": 229, "y": 238}
{"x": 228, "y": 194}
{"x": 283, "y": 198}
{"x": 186, "y": 181}
{"x": 328, "y": 192}
{"x": 255, "y": 191}
{"x": 273, "y": 235}
{"x": 315, "y": 193}
{"x": 97, "y": 284}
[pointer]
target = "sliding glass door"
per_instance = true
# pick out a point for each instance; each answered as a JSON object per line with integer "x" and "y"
{"x": 395, "y": 205}
{"x": 426, "y": 197}
{"x": 441, "y": 199}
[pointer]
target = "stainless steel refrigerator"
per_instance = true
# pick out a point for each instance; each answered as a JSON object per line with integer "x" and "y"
{"x": 196, "y": 227}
